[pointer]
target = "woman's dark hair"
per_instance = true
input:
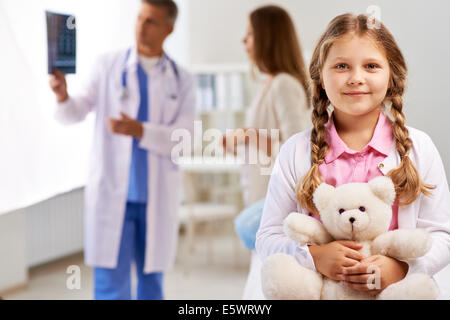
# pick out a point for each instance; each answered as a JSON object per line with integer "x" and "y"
{"x": 277, "y": 47}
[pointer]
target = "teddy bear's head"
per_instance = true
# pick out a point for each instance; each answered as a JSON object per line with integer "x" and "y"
{"x": 356, "y": 211}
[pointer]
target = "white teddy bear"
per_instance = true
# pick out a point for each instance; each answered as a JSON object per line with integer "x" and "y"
{"x": 360, "y": 212}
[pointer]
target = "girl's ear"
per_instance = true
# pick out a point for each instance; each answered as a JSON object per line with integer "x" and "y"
{"x": 321, "y": 81}
{"x": 391, "y": 81}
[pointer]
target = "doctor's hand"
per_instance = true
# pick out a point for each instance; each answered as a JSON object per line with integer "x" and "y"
{"x": 58, "y": 85}
{"x": 126, "y": 126}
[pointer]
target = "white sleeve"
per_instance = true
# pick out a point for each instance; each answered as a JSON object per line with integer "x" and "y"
{"x": 76, "y": 108}
{"x": 158, "y": 138}
{"x": 280, "y": 201}
{"x": 434, "y": 216}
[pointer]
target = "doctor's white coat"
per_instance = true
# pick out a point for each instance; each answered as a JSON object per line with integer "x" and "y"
{"x": 171, "y": 106}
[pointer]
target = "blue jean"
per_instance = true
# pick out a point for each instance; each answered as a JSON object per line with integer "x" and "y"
{"x": 115, "y": 284}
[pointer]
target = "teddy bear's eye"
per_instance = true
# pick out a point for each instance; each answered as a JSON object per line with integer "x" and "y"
{"x": 341, "y": 211}
{"x": 362, "y": 209}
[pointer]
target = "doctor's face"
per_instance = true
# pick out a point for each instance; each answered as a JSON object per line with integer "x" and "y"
{"x": 152, "y": 26}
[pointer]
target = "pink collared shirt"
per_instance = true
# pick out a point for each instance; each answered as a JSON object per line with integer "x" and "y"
{"x": 343, "y": 165}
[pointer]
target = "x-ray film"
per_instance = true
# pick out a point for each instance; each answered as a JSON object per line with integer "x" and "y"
{"x": 61, "y": 37}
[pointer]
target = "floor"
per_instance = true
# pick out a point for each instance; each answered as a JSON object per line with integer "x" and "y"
{"x": 218, "y": 276}
{"x": 216, "y": 270}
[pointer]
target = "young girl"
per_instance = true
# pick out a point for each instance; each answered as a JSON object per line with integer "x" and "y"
{"x": 361, "y": 72}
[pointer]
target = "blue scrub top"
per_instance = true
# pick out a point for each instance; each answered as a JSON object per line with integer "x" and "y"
{"x": 138, "y": 183}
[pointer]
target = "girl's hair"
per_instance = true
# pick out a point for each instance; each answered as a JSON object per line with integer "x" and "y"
{"x": 405, "y": 177}
{"x": 277, "y": 48}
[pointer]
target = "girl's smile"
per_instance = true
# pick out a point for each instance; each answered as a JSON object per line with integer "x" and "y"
{"x": 356, "y": 94}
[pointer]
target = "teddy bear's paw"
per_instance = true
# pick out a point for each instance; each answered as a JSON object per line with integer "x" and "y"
{"x": 305, "y": 229}
{"x": 420, "y": 242}
{"x": 297, "y": 228}
{"x": 283, "y": 278}
{"x": 403, "y": 244}
{"x": 412, "y": 243}
{"x": 414, "y": 287}
{"x": 381, "y": 244}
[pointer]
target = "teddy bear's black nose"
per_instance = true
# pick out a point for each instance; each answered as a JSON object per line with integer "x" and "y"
{"x": 351, "y": 219}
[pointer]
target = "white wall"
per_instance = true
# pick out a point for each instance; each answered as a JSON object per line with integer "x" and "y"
{"x": 13, "y": 262}
{"x": 40, "y": 158}
{"x": 178, "y": 44}
{"x": 422, "y": 29}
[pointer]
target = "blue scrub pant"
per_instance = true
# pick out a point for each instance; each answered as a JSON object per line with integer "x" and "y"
{"x": 115, "y": 284}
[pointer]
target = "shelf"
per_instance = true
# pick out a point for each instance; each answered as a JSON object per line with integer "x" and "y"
{"x": 220, "y": 68}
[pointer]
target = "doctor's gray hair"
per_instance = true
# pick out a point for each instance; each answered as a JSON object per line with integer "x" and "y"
{"x": 169, "y": 5}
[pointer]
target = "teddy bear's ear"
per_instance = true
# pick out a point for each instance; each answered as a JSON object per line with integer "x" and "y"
{"x": 383, "y": 188}
{"x": 323, "y": 195}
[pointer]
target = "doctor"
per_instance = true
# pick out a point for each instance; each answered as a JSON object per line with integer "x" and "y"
{"x": 139, "y": 96}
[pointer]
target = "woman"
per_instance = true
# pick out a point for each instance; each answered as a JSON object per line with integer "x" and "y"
{"x": 281, "y": 105}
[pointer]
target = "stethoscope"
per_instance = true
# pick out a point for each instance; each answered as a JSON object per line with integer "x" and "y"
{"x": 171, "y": 94}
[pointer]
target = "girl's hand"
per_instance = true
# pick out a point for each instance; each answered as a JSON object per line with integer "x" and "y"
{"x": 389, "y": 271}
{"x": 331, "y": 259}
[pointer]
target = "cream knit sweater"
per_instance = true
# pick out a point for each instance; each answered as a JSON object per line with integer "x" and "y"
{"x": 281, "y": 104}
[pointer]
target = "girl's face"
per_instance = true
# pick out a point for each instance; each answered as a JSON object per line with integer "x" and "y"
{"x": 249, "y": 41}
{"x": 355, "y": 75}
